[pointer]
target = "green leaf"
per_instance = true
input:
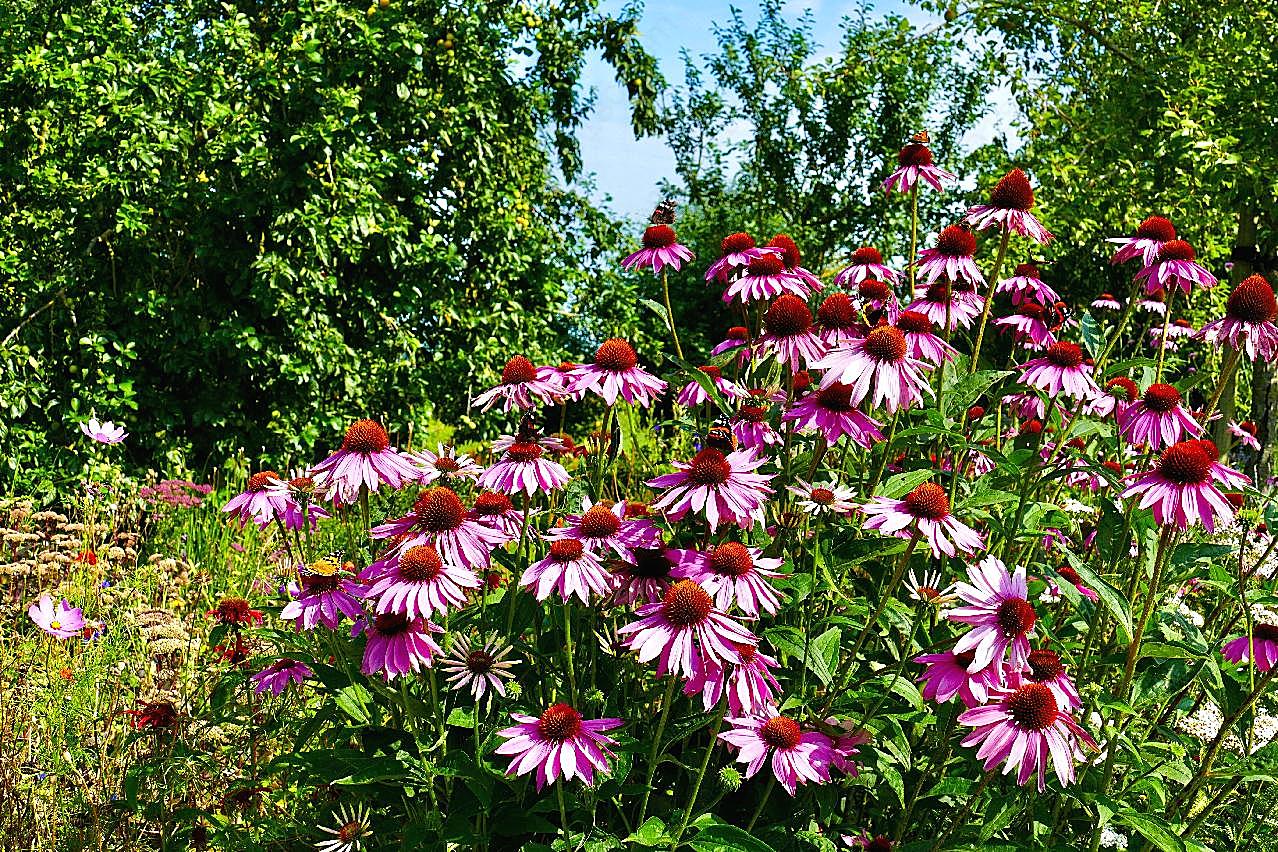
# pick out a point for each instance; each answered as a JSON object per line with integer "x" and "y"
{"x": 903, "y": 483}
{"x": 1091, "y": 334}
{"x": 789, "y": 641}
{"x": 1111, "y": 597}
{"x": 727, "y": 838}
{"x": 651, "y": 833}
{"x": 1152, "y": 828}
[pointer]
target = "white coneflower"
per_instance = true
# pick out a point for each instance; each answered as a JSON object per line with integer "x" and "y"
{"x": 350, "y": 833}
{"x": 928, "y": 590}
{"x": 478, "y": 668}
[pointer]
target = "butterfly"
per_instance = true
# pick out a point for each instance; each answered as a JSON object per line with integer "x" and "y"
{"x": 921, "y": 138}
{"x": 326, "y": 566}
{"x": 720, "y": 437}
{"x": 664, "y": 214}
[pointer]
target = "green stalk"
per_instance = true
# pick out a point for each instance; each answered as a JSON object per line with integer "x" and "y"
{"x": 572, "y": 673}
{"x": 1162, "y": 344}
{"x": 656, "y": 748}
{"x": 914, "y": 235}
{"x": 665, "y": 292}
{"x": 989, "y": 301}
{"x": 696, "y": 785}
{"x": 1231, "y": 364}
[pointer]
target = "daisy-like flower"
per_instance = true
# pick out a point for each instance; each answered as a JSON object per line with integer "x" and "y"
{"x": 1026, "y": 729}
{"x": 999, "y": 611}
{"x": 749, "y": 684}
{"x": 788, "y": 335}
{"x": 1149, "y": 239}
{"x": 1026, "y": 406}
{"x": 830, "y": 411}
{"x": 616, "y": 373}
{"x": 645, "y": 576}
{"x": 914, "y": 164}
{"x": 1179, "y": 329}
{"x": 498, "y": 512}
{"x": 62, "y": 621}
{"x": 523, "y": 468}
{"x": 1106, "y": 302}
{"x": 569, "y": 569}
{"x": 1030, "y": 325}
{"x": 419, "y": 583}
{"x": 793, "y": 261}
{"x": 929, "y": 590}
{"x": 1154, "y": 303}
{"x": 683, "y": 631}
{"x": 878, "y": 362}
{"x": 604, "y": 526}
{"x": 661, "y": 248}
{"x": 322, "y": 596}
{"x": 300, "y": 496}
{"x": 281, "y": 674}
{"x": 444, "y": 464}
{"x": 154, "y": 715}
{"x": 1026, "y": 285}
{"x": 765, "y": 278}
{"x": 837, "y": 319}
{"x": 522, "y": 386}
{"x": 920, "y": 341}
{"x": 751, "y": 428}
{"x": 104, "y": 432}
{"x": 924, "y": 512}
{"x": 1246, "y": 432}
{"x": 348, "y": 836}
{"x": 1248, "y": 324}
{"x": 480, "y": 668}
{"x": 258, "y": 502}
{"x": 1158, "y": 419}
{"x": 724, "y": 487}
{"x": 866, "y": 264}
{"x": 953, "y": 257}
{"x": 828, "y": 498}
{"x": 1182, "y": 488}
{"x": 694, "y": 394}
{"x": 1011, "y": 200}
{"x": 737, "y": 338}
{"x": 1044, "y": 666}
{"x": 940, "y": 306}
{"x": 1060, "y": 370}
{"x": 558, "y": 743}
{"x": 738, "y": 250}
{"x": 1175, "y": 267}
{"x": 1118, "y": 393}
{"x": 1071, "y": 576}
{"x": 797, "y": 756}
{"x": 946, "y": 675}
{"x": 366, "y": 460}
{"x": 398, "y": 644}
{"x": 439, "y": 518}
{"x": 1261, "y": 646}
{"x": 733, "y": 573}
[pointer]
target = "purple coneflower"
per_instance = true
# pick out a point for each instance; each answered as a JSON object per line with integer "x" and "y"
{"x": 1248, "y": 324}
{"x": 738, "y": 338}
{"x": 444, "y": 464}
{"x": 952, "y": 258}
{"x": 559, "y": 742}
{"x": 604, "y": 526}
{"x": 879, "y": 362}
{"x": 929, "y": 590}
{"x": 354, "y": 828}
{"x": 1011, "y": 199}
{"x": 1118, "y": 393}
{"x": 914, "y": 164}
{"x": 1246, "y": 432}
{"x": 1149, "y": 238}
{"x": 568, "y": 569}
{"x": 259, "y": 502}
{"x": 1044, "y": 666}
{"x": 830, "y": 411}
{"x": 616, "y": 373}
{"x": 941, "y": 305}
{"x": 927, "y": 510}
{"x": 62, "y": 621}
{"x": 788, "y": 335}
{"x": 694, "y": 394}
{"x": 837, "y": 319}
{"x": 1071, "y": 576}
{"x": 419, "y": 583}
{"x": 1158, "y": 419}
{"x": 439, "y": 518}
{"x": 322, "y": 596}
{"x": 1182, "y": 487}
{"x": 398, "y": 644}
{"x": 1261, "y": 646}
{"x": 750, "y": 685}
{"x": 104, "y": 432}
{"x": 920, "y": 341}
{"x": 765, "y": 278}
{"x": 793, "y": 261}
{"x": 725, "y": 487}
{"x": 366, "y": 460}
{"x": 1029, "y": 325}
{"x": 1060, "y": 370}
{"x": 751, "y": 428}
{"x": 733, "y": 573}
{"x": 523, "y": 468}
{"x": 480, "y": 668}
{"x": 1154, "y": 303}
{"x": 1106, "y": 302}
{"x": 999, "y": 611}
{"x": 798, "y": 756}
{"x": 1026, "y": 728}
{"x": 1025, "y": 284}
{"x": 522, "y": 386}
{"x": 1175, "y": 267}
{"x": 300, "y": 495}
{"x": 946, "y": 675}
{"x": 661, "y": 248}
{"x": 867, "y": 264}
{"x": 281, "y": 674}
{"x": 645, "y": 576}
{"x": 738, "y": 250}
{"x": 684, "y": 630}
{"x": 828, "y": 498}
{"x": 496, "y": 510}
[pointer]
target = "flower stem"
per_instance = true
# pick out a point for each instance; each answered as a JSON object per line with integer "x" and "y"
{"x": 665, "y": 292}
{"x": 961, "y": 819}
{"x": 1128, "y": 310}
{"x": 772, "y": 782}
{"x": 1133, "y": 650}
{"x": 914, "y": 236}
{"x": 1162, "y": 343}
{"x": 989, "y": 301}
{"x": 656, "y": 748}
{"x": 1231, "y": 364}
{"x": 696, "y": 785}
{"x": 572, "y": 673}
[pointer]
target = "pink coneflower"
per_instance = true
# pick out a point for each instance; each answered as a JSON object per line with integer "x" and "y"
{"x": 366, "y": 460}
{"x": 523, "y": 468}
{"x": 558, "y": 743}
{"x": 1246, "y": 432}
{"x": 924, "y": 512}
{"x": 1044, "y": 666}
{"x": 867, "y": 264}
{"x": 1071, "y": 576}
{"x": 439, "y": 518}
{"x": 258, "y": 502}
{"x": 694, "y": 394}
{"x": 1154, "y": 303}
{"x": 300, "y": 494}
{"x": 738, "y": 251}
{"x": 941, "y": 305}
{"x": 1182, "y": 487}
{"x": 1026, "y": 728}
{"x": 878, "y": 362}
{"x": 1026, "y": 406}
{"x": 684, "y": 630}
{"x": 419, "y": 583}
{"x": 837, "y": 318}
{"x": 952, "y": 258}
{"x": 751, "y": 428}
{"x": 235, "y": 611}
{"x": 749, "y": 684}
{"x": 798, "y": 756}
{"x": 733, "y": 573}
{"x": 1158, "y": 419}
{"x": 616, "y": 373}
{"x": 830, "y": 411}
{"x": 1000, "y": 613}
{"x": 1261, "y": 645}
{"x": 920, "y": 341}
{"x": 645, "y": 576}
{"x": 1106, "y": 302}
{"x": 946, "y": 675}
{"x": 280, "y": 675}
{"x": 522, "y": 386}
{"x": 1175, "y": 267}
{"x": 104, "y": 432}
{"x": 765, "y": 278}
{"x": 1248, "y": 324}
{"x": 725, "y": 487}
{"x": 1118, "y": 393}
{"x": 1011, "y": 199}
{"x": 828, "y": 498}
{"x": 1150, "y": 236}
{"x": 1179, "y": 329}
{"x": 322, "y": 596}
{"x": 1060, "y": 370}
{"x": 737, "y": 338}
{"x": 1031, "y": 326}
{"x": 660, "y": 249}
{"x": 398, "y": 645}
{"x": 498, "y": 512}
{"x": 914, "y": 164}
{"x": 481, "y": 668}
{"x": 444, "y": 464}
{"x": 793, "y": 261}
{"x": 569, "y": 569}
{"x": 62, "y": 621}
{"x": 604, "y": 526}
{"x": 788, "y": 335}
{"x": 1025, "y": 284}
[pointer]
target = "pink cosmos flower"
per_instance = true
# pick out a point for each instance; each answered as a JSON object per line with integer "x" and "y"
{"x": 788, "y": 335}
{"x": 1106, "y": 302}
{"x": 444, "y": 464}
{"x": 616, "y": 373}
{"x": 830, "y": 411}
{"x": 1030, "y": 326}
{"x": 1010, "y": 202}
{"x": 1060, "y": 370}
{"x": 797, "y": 756}
{"x": 568, "y": 569}
{"x": 941, "y": 306}
{"x": 1182, "y": 487}
{"x": 419, "y": 583}
{"x": 1175, "y": 267}
{"x": 558, "y": 743}
{"x": 522, "y": 386}
{"x": 480, "y": 668}
{"x": 1246, "y": 433}
{"x": 1045, "y": 667}
{"x": 439, "y": 518}
{"x": 738, "y": 251}
{"x": 366, "y": 460}
{"x": 920, "y": 341}
{"x": 398, "y": 645}
{"x": 1025, "y": 728}
{"x": 1149, "y": 239}
{"x": 751, "y": 428}
{"x": 1026, "y": 285}
{"x": 725, "y": 488}
{"x": 733, "y": 573}
{"x": 924, "y": 512}
{"x": 1261, "y": 646}
{"x": 660, "y": 249}
{"x": 684, "y": 631}
{"x": 523, "y": 468}
{"x": 952, "y": 258}
{"x": 1001, "y": 616}
{"x": 323, "y": 598}
{"x": 496, "y": 511}
{"x": 62, "y": 621}
{"x": 867, "y": 263}
{"x": 281, "y": 674}
{"x": 693, "y": 394}
{"x": 877, "y": 362}
{"x": 1157, "y": 419}
{"x": 1248, "y": 324}
{"x": 104, "y": 432}
{"x": 765, "y": 278}
{"x": 258, "y": 502}
{"x": 914, "y": 164}
{"x": 946, "y": 675}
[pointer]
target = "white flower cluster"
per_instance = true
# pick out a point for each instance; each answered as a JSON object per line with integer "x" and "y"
{"x": 1112, "y": 839}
